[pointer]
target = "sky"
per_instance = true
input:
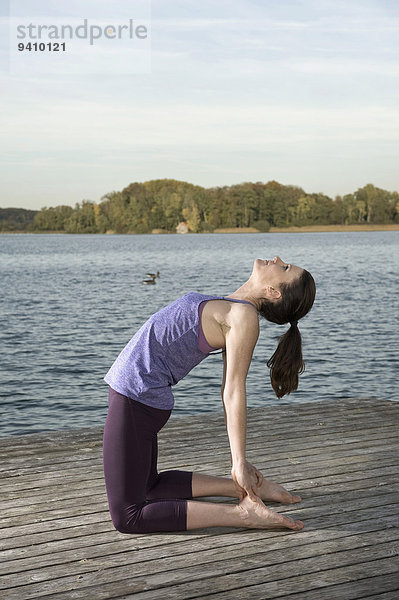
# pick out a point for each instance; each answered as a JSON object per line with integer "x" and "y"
{"x": 305, "y": 92}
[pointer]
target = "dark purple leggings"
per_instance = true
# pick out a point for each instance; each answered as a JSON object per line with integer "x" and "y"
{"x": 141, "y": 500}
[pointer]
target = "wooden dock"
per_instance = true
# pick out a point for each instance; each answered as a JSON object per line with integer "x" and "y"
{"x": 57, "y": 540}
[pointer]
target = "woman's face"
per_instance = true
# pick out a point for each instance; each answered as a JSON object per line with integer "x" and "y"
{"x": 275, "y": 272}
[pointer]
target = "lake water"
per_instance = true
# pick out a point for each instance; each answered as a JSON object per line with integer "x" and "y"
{"x": 69, "y": 303}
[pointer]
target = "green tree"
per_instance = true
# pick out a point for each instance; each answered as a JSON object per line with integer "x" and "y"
{"x": 162, "y": 203}
{"x": 82, "y": 220}
{"x": 17, "y": 219}
{"x": 349, "y": 203}
{"x": 52, "y": 219}
{"x": 192, "y": 217}
{"x": 376, "y": 204}
{"x": 338, "y": 211}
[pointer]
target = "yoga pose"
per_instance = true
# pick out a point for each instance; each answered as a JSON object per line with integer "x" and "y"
{"x": 171, "y": 343}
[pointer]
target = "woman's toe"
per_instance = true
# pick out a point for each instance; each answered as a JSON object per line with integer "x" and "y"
{"x": 295, "y": 498}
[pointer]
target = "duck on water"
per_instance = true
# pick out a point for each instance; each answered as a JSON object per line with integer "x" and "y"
{"x": 151, "y": 278}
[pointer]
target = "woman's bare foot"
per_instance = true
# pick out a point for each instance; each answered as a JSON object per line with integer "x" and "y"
{"x": 274, "y": 492}
{"x": 256, "y": 515}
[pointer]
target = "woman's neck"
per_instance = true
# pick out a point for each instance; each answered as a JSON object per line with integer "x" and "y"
{"x": 246, "y": 292}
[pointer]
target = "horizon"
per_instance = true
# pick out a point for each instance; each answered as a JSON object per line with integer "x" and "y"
{"x": 303, "y": 92}
{"x": 190, "y": 183}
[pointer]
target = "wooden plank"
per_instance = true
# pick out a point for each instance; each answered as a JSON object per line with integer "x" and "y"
{"x": 10, "y": 488}
{"x": 354, "y": 590}
{"x": 77, "y": 463}
{"x": 24, "y": 519}
{"x": 96, "y": 520}
{"x": 20, "y": 526}
{"x": 69, "y": 454}
{"x": 101, "y": 513}
{"x": 352, "y": 463}
{"x": 45, "y": 510}
{"x": 247, "y": 555}
{"x": 81, "y": 546}
{"x": 340, "y": 456}
{"x": 303, "y": 446}
{"x": 94, "y": 548}
{"x": 310, "y": 440}
{"x": 293, "y": 576}
{"x": 96, "y": 494}
{"x": 89, "y": 439}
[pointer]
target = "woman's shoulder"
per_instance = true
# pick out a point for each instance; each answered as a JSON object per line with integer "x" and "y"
{"x": 243, "y": 314}
{"x": 234, "y": 314}
{"x": 242, "y": 327}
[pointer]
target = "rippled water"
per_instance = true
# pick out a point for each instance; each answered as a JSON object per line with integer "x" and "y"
{"x": 69, "y": 304}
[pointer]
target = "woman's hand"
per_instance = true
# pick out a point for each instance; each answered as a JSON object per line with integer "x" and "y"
{"x": 248, "y": 480}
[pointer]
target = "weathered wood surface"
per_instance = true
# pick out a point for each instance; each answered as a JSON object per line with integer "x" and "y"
{"x": 57, "y": 540}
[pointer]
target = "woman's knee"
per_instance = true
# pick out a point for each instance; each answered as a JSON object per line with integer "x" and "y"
{"x": 127, "y": 519}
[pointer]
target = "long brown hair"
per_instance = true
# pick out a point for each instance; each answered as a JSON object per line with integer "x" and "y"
{"x": 287, "y": 363}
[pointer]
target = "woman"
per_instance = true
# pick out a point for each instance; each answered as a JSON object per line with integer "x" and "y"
{"x": 161, "y": 353}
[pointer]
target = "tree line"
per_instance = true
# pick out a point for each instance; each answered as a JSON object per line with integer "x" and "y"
{"x": 16, "y": 219}
{"x": 159, "y": 205}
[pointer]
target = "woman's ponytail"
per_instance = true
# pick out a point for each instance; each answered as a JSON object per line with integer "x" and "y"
{"x": 287, "y": 363}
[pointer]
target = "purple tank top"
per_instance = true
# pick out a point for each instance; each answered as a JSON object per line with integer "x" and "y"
{"x": 202, "y": 341}
{"x": 167, "y": 347}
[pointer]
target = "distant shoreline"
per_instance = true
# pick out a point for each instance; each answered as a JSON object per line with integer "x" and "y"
{"x": 336, "y": 228}
{"x": 314, "y": 228}
{"x": 305, "y": 229}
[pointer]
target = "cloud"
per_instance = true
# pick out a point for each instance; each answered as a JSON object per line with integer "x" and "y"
{"x": 344, "y": 66}
{"x": 235, "y": 85}
{"x": 93, "y": 126}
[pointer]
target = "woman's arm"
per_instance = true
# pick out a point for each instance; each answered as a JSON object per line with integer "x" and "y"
{"x": 241, "y": 338}
{"x": 224, "y": 383}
